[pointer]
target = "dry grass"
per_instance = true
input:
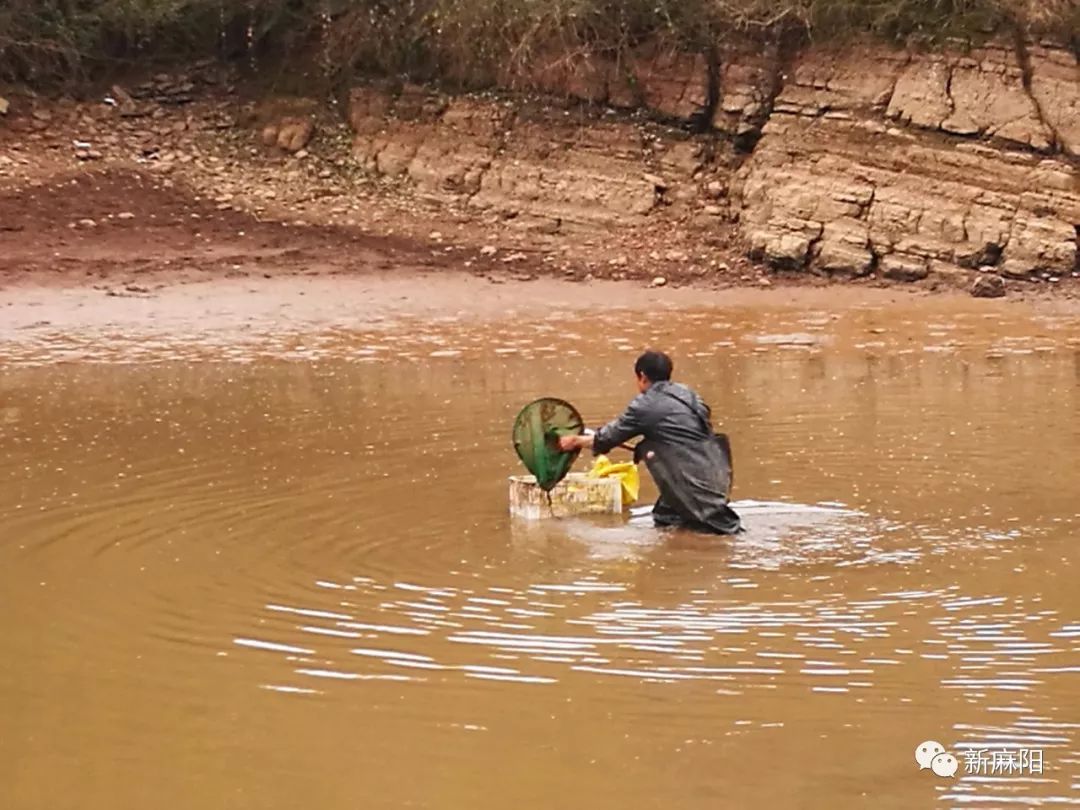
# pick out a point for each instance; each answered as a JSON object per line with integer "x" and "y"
{"x": 469, "y": 41}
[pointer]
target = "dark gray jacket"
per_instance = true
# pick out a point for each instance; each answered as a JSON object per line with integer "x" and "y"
{"x": 690, "y": 464}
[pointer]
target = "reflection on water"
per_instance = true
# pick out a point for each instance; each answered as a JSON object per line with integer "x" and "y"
{"x": 255, "y": 582}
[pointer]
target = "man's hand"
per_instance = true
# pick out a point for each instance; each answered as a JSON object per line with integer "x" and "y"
{"x": 570, "y": 443}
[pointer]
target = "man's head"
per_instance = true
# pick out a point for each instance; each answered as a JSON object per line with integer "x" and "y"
{"x": 652, "y": 367}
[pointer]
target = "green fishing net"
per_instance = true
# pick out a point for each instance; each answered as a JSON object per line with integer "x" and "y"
{"x": 536, "y": 433}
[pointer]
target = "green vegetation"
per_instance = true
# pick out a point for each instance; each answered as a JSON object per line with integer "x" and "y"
{"x": 470, "y": 41}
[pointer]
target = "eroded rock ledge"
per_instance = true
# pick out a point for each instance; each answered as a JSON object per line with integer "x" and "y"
{"x": 852, "y": 162}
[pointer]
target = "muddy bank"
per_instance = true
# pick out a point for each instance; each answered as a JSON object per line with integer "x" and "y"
{"x": 125, "y": 256}
{"x": 140, "y": 253}
{"x": 127, "y": 231}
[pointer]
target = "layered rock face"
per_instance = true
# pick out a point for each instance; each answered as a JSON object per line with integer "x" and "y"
{"x": 852, "y": 162}
{"x": 557, "y": 167}
{"x": 913, "y": 164}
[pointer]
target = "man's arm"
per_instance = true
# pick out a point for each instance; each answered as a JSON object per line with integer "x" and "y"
{"x": 627, "y": 425}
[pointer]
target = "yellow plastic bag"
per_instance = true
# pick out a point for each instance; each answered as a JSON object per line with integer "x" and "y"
{"x": 626, "y": 472}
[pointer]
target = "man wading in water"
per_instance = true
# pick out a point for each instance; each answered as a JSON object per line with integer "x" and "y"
{"x": 690, "y": 463}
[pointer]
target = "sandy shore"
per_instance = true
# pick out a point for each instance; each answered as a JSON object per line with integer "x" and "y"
{"x": 298, "y": 304}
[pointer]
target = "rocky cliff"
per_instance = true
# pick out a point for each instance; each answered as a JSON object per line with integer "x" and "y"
{"x": 852, "y": 162}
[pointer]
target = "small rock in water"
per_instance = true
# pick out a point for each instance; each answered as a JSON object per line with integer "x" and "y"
{"x": 435, "y": 235}
{"x": 488, "y": 250}
{"x": 5, "y": 105}
{"x": 125, "y": 215}
{"x": 86, "y": 223}
{"x": 988, "y": 287}
{"x": 677, "y": 256}
{"x": 659, "y": 281}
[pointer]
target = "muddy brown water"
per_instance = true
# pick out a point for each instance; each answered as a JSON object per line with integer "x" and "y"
{"x": 279, "y": 572}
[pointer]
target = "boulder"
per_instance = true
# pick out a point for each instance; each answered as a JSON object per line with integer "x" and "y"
{"x": 294, "y": 134}
{"x": 988, "y": 286}
{"x": 904, "y": 268}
